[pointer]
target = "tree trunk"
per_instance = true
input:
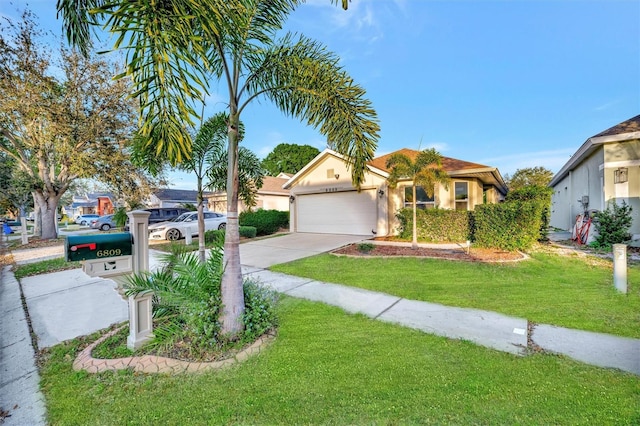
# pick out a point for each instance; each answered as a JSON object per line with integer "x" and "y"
{"x": 47, "y": 205}
{"x": 37, "y": 217}
{"x": 201, "y": 242}
{"x": 232, "y": 291}
{"x": 414, "y": 240}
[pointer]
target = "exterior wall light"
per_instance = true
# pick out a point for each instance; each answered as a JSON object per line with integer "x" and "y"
{"x": 381, "y": 193}
{"x": 291, "y": 199}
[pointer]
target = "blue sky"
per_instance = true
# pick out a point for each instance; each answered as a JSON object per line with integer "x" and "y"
{"x": 510, "y": 84}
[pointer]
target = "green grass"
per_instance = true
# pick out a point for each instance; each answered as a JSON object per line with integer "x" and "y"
{"x": 44, "y": 267}
{"x": 328, "y": 367}
{"x": 551, "y": 289}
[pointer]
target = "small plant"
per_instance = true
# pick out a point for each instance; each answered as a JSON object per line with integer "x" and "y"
{"x": 187, "y": 304}
{"x": 366, "y": 247}
{"x": 248, "y": 231}
{"x": 612, "y": 225}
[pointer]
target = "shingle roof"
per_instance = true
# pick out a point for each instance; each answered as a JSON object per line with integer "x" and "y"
{"x": 177, "y": 194}
{"x": 448, "y": 164}
{"x": 629, "y": 126}
{"x": 271, "y": 184}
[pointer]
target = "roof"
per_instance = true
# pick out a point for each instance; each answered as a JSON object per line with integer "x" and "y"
{"x": 177, "y": 194}
{"x": 454, "y": 167}
{"x": 626, "y": 131}
{"x": 273, "y": 185}
{"x": 448, "y": 164}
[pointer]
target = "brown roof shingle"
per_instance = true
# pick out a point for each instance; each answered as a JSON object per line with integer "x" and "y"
{"x": 629, "y": 126}
{"x": 449, "y": 164}
{"x": 272, "y": 184}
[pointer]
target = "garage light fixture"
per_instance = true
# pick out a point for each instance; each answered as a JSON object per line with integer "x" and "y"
{"x": 381, "y": 193}
{"x": 291, "y": 199}
{"x": 621, "y": 175}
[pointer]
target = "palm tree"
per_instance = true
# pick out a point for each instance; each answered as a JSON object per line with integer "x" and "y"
{"x": 425, "y": 171}
{"x": 172, "y": 46}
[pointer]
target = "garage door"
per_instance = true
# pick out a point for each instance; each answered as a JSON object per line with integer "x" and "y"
{"x": 337, "y": 212}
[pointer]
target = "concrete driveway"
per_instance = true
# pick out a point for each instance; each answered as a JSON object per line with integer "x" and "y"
{"x": 281, "y": 249}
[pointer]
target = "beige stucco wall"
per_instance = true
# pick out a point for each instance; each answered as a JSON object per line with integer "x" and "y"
{"x": 272, "y": 202}
{"x": 330, "y": 174}
{"x": 623, "y": 154}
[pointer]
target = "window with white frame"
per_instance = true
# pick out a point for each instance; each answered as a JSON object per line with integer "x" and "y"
{"x": 462, "y": 195}
{"x": 423, "y": 201}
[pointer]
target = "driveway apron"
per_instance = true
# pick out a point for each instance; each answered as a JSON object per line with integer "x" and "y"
{"x": 281, "y": 249}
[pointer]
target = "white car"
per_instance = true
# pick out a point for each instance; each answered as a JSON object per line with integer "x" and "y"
{"x": 186, "y": 224}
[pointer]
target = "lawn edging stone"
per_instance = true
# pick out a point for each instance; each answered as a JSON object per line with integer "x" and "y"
{"x": 157, "y": 364}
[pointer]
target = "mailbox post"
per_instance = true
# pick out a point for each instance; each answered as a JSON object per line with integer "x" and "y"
{"x": 140, "y": 305}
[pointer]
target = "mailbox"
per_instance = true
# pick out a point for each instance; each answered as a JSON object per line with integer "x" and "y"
{"x": 90, "y": 247}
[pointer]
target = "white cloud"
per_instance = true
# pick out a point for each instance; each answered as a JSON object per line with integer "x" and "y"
{"x": 606, "y": 105}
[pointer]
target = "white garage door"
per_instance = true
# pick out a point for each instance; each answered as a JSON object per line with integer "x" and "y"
{"x": 337, "y": 212}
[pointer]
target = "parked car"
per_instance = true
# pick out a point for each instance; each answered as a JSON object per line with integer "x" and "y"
{"x": 163, "y": 214}
{"x": 85, "y": 219}
{"x": 103, "y": 223}
{"x": 186, "y": 224}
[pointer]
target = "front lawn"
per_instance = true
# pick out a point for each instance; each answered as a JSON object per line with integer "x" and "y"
{"x": 560, "y": 290}
{"x": 328, "y": 367}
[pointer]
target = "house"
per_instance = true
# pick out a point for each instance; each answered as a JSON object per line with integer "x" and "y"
{"x": 324, "y": 200}
{"x": 92, "y": 203}
{"x": 173, "y": 198}
{"x": 271, "y": 196}
{"x": 606, "y": 168}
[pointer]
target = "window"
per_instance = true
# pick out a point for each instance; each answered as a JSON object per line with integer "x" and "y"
{"x": 462, "y": 195}
{"x": 422, "y": 200}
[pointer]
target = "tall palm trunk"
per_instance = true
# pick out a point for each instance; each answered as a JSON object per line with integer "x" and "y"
{"x": 414, "y": 240}
{"x": 232, "y": 292}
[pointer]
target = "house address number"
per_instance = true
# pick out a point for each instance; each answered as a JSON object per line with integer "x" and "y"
{"x": 331, "y": 190}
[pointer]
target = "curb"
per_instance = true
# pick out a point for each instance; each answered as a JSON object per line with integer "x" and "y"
{"x": 156, "y": 364}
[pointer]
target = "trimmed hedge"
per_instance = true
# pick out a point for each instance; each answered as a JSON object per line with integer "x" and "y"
{"x": 435, "y": 225}
{"x": 512, "y": 225}
{"x": 539, "y": 194}
{"x": 219, "y": 234}
{"x": 266, "y": 222}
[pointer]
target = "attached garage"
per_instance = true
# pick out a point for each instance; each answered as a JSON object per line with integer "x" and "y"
{"x": 348, "y": 212}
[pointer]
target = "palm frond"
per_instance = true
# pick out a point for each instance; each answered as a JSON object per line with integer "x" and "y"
{"x": 305, "y": 81}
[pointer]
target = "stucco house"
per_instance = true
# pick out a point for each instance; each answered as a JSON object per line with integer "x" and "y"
{"x": 93, "y": 203}
{"x": 271, "y": 196}
{"x": 606, "y": 168}
{"x": 324, "y": 200}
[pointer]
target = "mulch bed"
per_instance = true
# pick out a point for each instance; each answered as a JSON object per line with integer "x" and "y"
{"x": 475, "y": 254}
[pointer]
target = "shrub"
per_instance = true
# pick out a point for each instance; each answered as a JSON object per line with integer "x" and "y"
{"x": 187, "y": 302}
{"x": 260, "y": 310}
{"x": 512, "y": 225}
{"x": 214, "y": 235}
{"x": 266, "y": 222}
{"x": 541, "y": 195}
{"x": 435, "y": 225}
{"x": 366, "y": 247}
{"x": 120, "y": 217}
{"x": 248, "y": 231}
{"x": 612, "y": 225}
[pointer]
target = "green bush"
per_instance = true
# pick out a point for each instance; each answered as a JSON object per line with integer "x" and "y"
{"x": 266, "y": 222}
{"x": 539, "y": 194}
{"x": 187, "y": 302}
{"x": 512, "y": 225}
{"x": 214, "y": 235}
{"x": 612, "y": 225}
{"x": 366, "y": 247}
{"x": 248, "y": 231}
{"x": 260, "y": 310}
{"x": 435, "y": 225}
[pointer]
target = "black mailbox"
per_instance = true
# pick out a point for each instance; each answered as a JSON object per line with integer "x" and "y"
{"x": 87, "y": 247}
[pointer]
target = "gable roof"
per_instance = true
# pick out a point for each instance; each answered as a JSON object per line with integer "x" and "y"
{"x": 621, "y": 132}
{"x": 448, "y": 164}
{"x": 273, "y": 185}
{"x": 454, "y": 167}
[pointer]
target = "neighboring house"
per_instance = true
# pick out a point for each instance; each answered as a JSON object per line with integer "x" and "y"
{"x": 606, "y": 168}
{"x": 174, "y": 198}
{"x": 93, "y": 203}
{"x": 324, "y": 200}
{"x": 270, "y": 197}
